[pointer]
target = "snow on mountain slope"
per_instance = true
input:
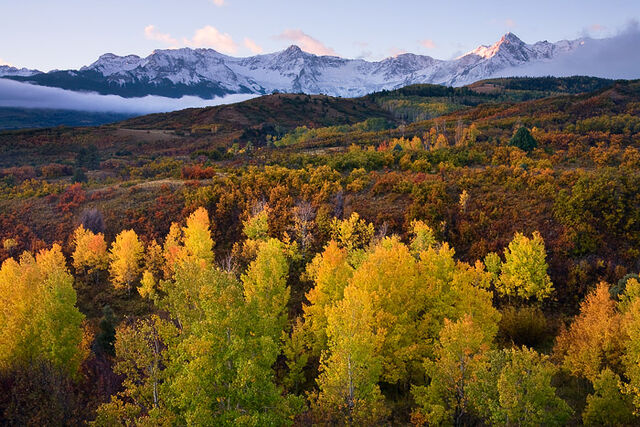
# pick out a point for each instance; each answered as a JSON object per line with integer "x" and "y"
{"x": 207, "y": 73}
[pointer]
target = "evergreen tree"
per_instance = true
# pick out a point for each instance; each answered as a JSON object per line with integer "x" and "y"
{"x": 106, "y": 338}
{"x": 523, "y": 140}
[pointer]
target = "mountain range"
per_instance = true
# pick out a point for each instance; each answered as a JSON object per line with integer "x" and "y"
{"x": 207, "y": 73}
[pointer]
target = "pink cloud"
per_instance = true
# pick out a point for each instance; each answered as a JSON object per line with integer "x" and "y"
{"x": 152, "y": 33}
{"x": 218, "y": 2}
{"x": 510, "y": 23}
{"x": 209, "y": 36}
{"x": 306, "y": 42}
{"x": 252, "y": 46}
{"x": 396, "y": 51}
{"x": 428, "y": 44}
{"x": 206, "y": 36}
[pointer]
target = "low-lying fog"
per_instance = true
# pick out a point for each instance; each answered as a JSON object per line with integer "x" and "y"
{"x": 24, "y": 95}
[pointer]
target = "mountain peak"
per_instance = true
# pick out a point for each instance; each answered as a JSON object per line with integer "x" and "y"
{"x": 108, "y": 55}
{"x": 510, "y": 38}
{"x": 293, "y": 49}
{"x": 486, "y": 52}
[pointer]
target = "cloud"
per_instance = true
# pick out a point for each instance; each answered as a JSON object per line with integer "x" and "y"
{"x": 3, "y": 62}
{"x": 510, "y": 23}
{"x": 428, "y": 44}
{"x": 24, "y": 95}
{"x": 152, "y": 33}
{"x": 209, "y": 36}
{"x": 206, "y": 36}
{"x": 252, "y": 46}
{"x": 396, "y": 51}
{"x": 616, "y": 57}
{"x": 218, "y": 2}
{"x": 597, "y": 27}
{"x": 306, "y": 42}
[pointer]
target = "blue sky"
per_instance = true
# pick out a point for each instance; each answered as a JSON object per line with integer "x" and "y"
{"x": 71, "y": 33}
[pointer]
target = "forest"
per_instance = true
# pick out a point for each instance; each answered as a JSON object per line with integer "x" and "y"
{"x": 425, "y": 256}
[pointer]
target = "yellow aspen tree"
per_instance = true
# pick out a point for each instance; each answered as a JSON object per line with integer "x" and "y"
{"x": 126, "y": 258}
{"x": 423, "y": 237}
{"x": 595, "y": 338}
{"x": 90, "y": 251}
{"x": 172, "y": 249}
{"x": 461, "y": 350}
{"x": 524, "y": 271}
{"x": 330, "y": 272}
{"x": 197, "y": 241}
{"x": 39, "y": 319}
{"x": 351, "y": 367}
{"x": 352, "y": 233}
{"x": 265, "y": 288}
{"x": 441, "y": 142}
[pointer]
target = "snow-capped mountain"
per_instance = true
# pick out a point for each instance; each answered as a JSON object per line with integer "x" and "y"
{"x": 7, "y": 70}
{"x": 207, "y": 73}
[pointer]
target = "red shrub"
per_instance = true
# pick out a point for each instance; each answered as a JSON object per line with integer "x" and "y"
{"x": 198, "y": 172}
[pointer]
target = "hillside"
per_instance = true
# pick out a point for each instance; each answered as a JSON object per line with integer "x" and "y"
{"x": 283, "y": 110}
{"x": 424, "y": 201}
{"x": 214, "y": 130}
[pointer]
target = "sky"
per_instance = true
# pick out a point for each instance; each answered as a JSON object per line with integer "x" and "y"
{"x": 67, "y": 34}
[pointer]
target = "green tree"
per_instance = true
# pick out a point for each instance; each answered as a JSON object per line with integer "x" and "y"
{"x": 524, "y": 271}
{"x": 256, "y": 227}
{"x": 351, "y": 367}
{"x": 265, "y": 289}
{"x": 514, "y": 388}
{"x": 461, "y": 350}
{"x": 79, "y": 176}
{"x": 221, "y": 364}
{"x": 140, "y": 357}
{"x": 631, "y": 358}
{"x": 493, "y": 264}
{"x": 608, "y": 406}
{"x": 523, "y": 140}
{"x": 423, "y": 236}
{"x": 106, "y": 338}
